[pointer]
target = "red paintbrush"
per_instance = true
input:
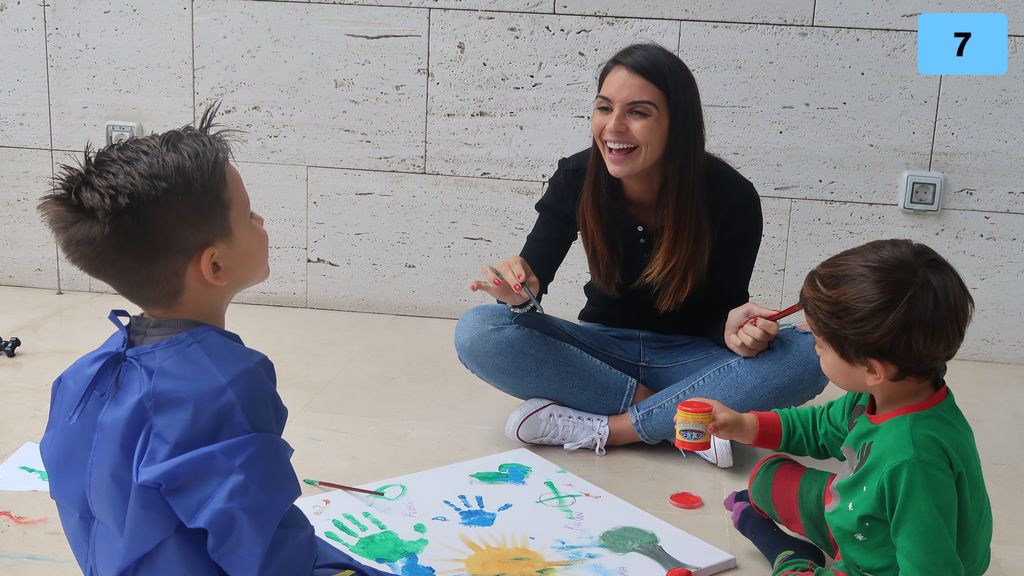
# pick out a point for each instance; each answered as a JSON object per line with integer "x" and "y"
{"x": 780, "y": 315}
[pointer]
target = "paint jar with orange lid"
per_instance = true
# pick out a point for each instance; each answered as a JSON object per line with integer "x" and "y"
{"x": 692, "y": 419}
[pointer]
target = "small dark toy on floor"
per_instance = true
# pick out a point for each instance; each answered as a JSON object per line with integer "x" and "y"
{"x": 8, "y": 346}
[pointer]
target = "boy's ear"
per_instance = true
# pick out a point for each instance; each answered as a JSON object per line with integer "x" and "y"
{"x": 211, "y": 268}
{"x": 876, "y": 371}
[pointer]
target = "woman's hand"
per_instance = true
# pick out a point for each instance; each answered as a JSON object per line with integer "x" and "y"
{"x": 747, "y": 332}
{"x": 504, "y": 281}
{"x": 729, "y": 424}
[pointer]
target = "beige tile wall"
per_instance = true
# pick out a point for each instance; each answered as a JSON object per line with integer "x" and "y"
{"x": 395, "y": 146}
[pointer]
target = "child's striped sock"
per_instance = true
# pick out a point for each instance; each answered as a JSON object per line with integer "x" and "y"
{"x": 766, "y": 534}
{"x": 732, "y": 499}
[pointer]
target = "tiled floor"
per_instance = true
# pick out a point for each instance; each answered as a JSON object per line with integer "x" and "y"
{"x": 374, "y": 396}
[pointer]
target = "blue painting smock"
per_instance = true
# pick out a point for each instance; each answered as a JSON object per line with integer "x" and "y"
{"x": 167, "y": 459}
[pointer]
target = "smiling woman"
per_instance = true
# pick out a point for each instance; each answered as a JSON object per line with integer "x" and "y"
{"x": 671, "y": 234}
{"x": 637, "y": 125}
{"x": 631, "y": 134}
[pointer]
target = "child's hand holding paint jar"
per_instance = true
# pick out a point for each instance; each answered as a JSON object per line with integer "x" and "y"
{"x": 727, "y": 423}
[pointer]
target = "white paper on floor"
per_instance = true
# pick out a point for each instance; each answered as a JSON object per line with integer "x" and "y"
{"x": 513, "y": 513}
{"x": 23, "y": 471}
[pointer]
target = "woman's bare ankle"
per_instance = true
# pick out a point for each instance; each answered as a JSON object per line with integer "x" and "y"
{"x": 642, "y": 393}
{"x": 620, "y": 430}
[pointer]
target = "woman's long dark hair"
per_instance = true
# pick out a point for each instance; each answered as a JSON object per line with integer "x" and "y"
{"x": 682, "y": 232}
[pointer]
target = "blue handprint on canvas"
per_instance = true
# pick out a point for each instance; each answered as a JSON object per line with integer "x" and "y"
{"x": 469, "y": 516}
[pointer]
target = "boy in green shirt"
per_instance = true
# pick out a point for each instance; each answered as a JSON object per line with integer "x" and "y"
{"x": 910, "y": 498}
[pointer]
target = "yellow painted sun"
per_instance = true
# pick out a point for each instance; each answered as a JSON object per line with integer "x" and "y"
{"x": 505, "y": 557}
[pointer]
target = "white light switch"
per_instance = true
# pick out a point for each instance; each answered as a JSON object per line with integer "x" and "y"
{"x": 921, "y": 191}
{"x": 120, "y": 130}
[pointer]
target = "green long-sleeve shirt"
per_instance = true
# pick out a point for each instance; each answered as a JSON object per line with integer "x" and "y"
{"x": 911, "y": 497}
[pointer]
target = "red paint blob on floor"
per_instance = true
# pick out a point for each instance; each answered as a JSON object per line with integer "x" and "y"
{"x": 20, "y": 519}
{"x": 686, "y": 500}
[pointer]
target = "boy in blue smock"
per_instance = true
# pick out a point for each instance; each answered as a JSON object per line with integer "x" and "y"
{"x": 164, "y": 445}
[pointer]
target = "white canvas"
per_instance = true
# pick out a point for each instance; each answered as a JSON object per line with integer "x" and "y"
{"x": 513, "y": 514}
{"x": 23, "y": 471}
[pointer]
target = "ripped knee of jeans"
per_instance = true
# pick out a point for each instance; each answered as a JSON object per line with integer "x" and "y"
{"x": 802, "y": 327}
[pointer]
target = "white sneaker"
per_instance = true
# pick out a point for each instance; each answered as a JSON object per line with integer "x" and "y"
{"x": 541, "y": 421}
{"x": 720, "y": 453}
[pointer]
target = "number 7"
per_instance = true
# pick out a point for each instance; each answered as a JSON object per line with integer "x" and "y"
{"x": 966, "y": 36}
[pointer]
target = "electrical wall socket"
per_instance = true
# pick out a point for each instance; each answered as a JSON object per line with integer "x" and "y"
{"x": 921, "y": 191}
{"x": 121, "y": 130}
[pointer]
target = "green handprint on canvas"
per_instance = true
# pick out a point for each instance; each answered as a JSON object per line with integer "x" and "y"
{"x": 508, "y": 473}
{"x": 383, "y": 546}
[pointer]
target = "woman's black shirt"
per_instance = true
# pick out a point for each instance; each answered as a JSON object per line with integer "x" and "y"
{"x": 735, "y": 214}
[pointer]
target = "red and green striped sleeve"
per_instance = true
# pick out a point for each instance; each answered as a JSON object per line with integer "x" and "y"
{"x": 815, "y": 431}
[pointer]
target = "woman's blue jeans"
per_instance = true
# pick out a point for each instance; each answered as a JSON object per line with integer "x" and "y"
{"x": 596, "y": 368}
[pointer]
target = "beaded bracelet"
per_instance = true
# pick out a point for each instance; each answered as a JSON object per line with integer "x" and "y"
{"x": 521, "y": 308}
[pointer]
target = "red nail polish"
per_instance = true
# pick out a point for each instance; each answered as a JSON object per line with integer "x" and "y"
{"x": 518, "y": 287}
{"x": 497, "y": 282}
{"x": 521, "y": 277}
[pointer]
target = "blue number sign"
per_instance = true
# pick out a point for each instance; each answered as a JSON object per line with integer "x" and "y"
{"x": 970, "y": 44}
